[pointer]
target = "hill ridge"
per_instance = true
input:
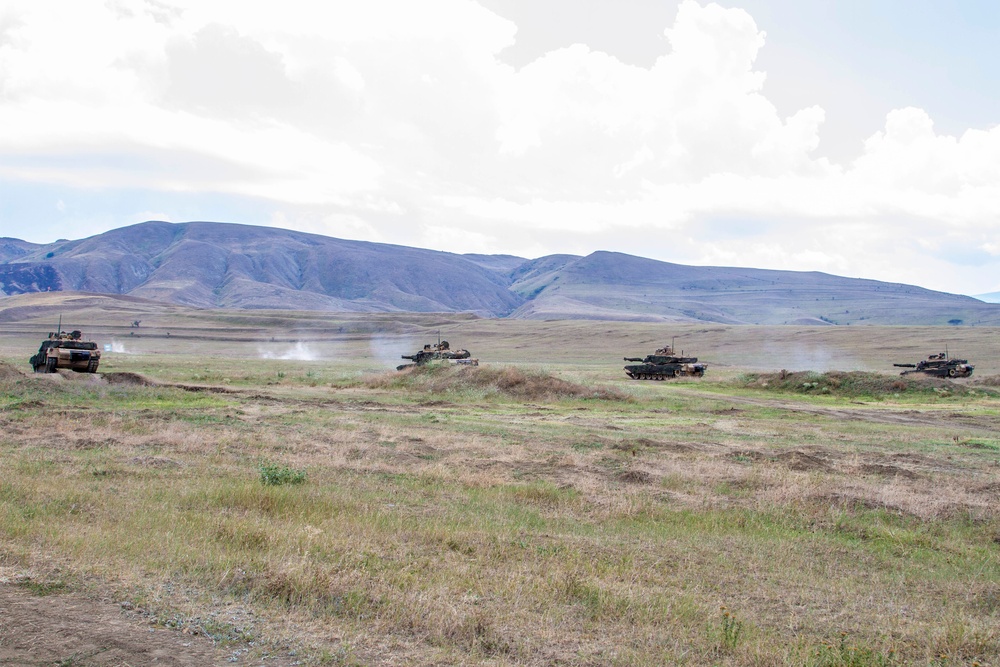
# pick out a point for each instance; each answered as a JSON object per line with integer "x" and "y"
{"x": 228, "y": 265}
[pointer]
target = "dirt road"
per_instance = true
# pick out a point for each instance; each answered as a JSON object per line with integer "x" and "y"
{"x": 69, "y": 629}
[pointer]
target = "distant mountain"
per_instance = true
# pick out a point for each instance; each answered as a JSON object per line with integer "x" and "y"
{"x": 14, "y": 249}
{"x": 991, "y": 297}
{"x": 607, "y": 285}
{"x": 220, "y": 265}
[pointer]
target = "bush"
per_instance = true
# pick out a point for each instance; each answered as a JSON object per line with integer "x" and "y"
{"x": 272, "y": 474}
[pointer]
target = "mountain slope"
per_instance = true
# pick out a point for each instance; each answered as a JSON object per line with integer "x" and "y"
{"x": 607, "y": 285}
{"x": 14, "y": 248}
{"x": 219, "y": 265}
{"x": 239, "y": 266}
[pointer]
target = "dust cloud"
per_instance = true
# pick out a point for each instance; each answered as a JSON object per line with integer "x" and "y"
{"x": 805, "y": 357}
{"x": 298, "y": 352}
{"x": 390, "y": 349}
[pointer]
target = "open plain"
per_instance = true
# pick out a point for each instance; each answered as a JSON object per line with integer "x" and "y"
{"x": 262, "y": 487}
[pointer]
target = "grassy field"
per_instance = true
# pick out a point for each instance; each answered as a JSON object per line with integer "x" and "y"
{"x": 269, "y": 480}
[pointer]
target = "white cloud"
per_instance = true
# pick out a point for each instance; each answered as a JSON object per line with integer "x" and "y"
{"x": 395, "y": 120}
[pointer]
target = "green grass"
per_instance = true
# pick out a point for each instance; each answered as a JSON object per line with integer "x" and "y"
{"x": 517, "y": 515}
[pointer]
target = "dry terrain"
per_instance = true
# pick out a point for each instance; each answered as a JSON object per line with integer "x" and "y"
{"x": 263, "y": 488}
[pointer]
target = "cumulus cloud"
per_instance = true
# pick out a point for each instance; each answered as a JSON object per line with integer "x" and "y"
{"x": 395, "y": 120}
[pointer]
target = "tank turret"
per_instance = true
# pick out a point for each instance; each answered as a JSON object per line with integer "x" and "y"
{"x": 440, "y": 352}
{"x": 664, "y": 364}
{"x": 940, "y": 365}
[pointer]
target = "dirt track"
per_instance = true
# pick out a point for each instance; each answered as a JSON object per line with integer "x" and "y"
{"x": 67, "y": 629}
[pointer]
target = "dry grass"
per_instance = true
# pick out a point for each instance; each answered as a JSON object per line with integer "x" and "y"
{"x": 514, "y": 515}
{"x": 856, "y": 384}
{"x": 458, "y": 532}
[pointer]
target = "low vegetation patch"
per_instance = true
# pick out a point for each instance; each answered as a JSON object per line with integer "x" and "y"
{"x": 852, "y": 384}
{"x": 275, "y": 474}
{"x": 500, "y": 515}
{"x": 507, "y": 381}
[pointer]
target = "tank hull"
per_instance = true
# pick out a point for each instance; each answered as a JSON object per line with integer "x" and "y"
{"x": 952, "y": 371}
{"x": 664, "y": 371}
{"x": 441, "y": 360}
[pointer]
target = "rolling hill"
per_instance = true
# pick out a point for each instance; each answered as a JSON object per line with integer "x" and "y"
{"x": 217, "y": 265}
{"x": 222, "y": 265}
{"x": 614, "y": 286}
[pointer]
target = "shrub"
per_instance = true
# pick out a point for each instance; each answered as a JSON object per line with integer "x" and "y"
{"x": 273, "y": 474}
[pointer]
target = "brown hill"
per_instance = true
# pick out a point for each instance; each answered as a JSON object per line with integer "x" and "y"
{"x": 209, "y": 264}
{"x": 218, "y": 265}
{"x": 606, "y": 285}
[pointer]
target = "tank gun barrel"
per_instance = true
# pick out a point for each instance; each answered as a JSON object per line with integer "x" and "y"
{"x": 632, "y": 359}
{"x": 905, "y": 365}
{"x": 411, "y": 357}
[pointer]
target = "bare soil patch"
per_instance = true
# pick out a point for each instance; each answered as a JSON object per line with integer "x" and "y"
{"x": 69, "y": 629}
{"x": 887, "y": 470}
{"x": 128, "y": 379}
{"x": 803, "y": 462}
{"x": 987, "y": 381}
{"x": 8, "y": 372}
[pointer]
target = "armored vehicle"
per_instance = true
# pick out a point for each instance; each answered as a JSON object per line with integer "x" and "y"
{"x": 940, "y": 365}
{"x": 664, "y": 364}
{"x": 439, "y": 352}
{"x": 66, "y": 350}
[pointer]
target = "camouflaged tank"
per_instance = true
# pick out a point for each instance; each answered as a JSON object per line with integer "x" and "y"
{"x": 439, "y": 352}
{"x": 66, "y": 350}
{"x": 940, "y": 365}
{"x": 664, "y": 365}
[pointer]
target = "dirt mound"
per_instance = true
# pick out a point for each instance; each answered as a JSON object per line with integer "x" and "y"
{"x": 802, "y": 462}
{"x": 130, "y": 379}
{"x": 509, "y": 381}
{"x": 855, "y": 503}
{"x": 987, "y": 381}
{"x": 849, "y": 383}
{"x": 886, "y": 470}
{"x": 635, "y": 477}
{"x": 8, "y": 372}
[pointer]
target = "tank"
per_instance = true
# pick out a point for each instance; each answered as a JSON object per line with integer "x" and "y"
{"x": 440, "y": 352}
{"x": 940, "y": 365}
{"x": 663, "y": 365}
{"x": 66, "y": 350}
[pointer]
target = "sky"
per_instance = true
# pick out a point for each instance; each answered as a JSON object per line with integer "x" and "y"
{"x": 857, "y": 137}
